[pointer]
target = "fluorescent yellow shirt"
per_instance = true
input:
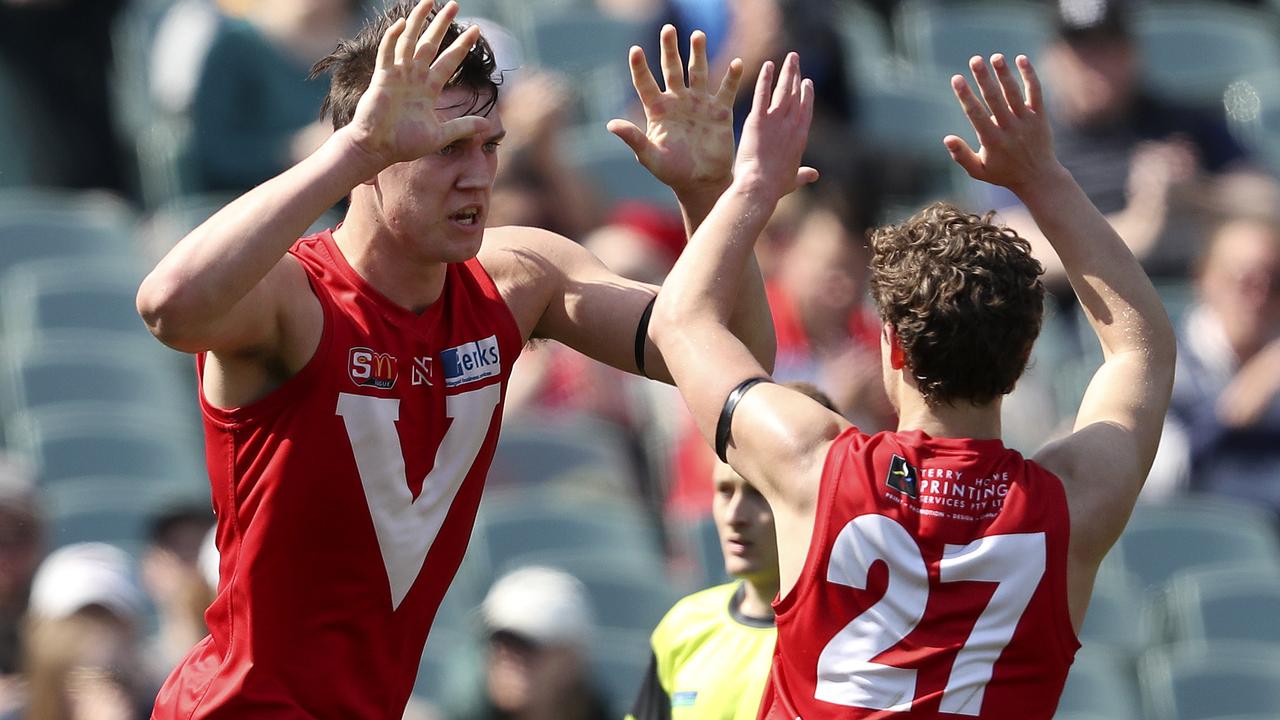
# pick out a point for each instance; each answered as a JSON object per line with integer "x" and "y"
{"x": 709, "y": 661}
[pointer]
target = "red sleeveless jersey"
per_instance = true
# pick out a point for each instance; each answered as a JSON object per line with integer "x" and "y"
{"x": 345, "y": 499}
{"x": 935, "y": 587}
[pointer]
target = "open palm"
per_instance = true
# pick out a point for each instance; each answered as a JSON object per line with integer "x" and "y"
{"x": 688, "y": 144}
{"x": 396, "y": 118}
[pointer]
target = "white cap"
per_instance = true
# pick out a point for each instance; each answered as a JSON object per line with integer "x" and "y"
{"x": 545, "y": 605}
{"x": 77, "y": 576}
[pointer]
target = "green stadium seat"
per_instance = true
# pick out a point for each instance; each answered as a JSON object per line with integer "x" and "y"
{"x": 449, "y": 675}
{"x": 1195, "y": 531}
{"x": 1100, "y": 683}
{"x": 590, "y": 47}
{"x": 538, "y": 450}
{"x": 940, "y": 37}
{"x": 1118, "y": 618}
{"x": 1203, "y": 682}
{"x": 56, "y": 295}
{"x": 65, "y": 442}
{"x": 1235, "y": 603}
{"x": 512, "y": 525}
{"x": 618, "y": 664}
{"x": 1192, "y": 51}
{"x": 91, "y": 367}
{"x": 115, "y": 510}
{"x": 612, "y": 169}
{"x": 47, "y": 224}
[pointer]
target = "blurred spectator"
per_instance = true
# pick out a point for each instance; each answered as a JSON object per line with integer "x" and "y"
{"x": 535, "y": 185}
{"x": 1227, "y": 389}
{"x": 1133, "y": 153}
{"x": 539, "y": 625}
{"x": 173, "y": 580}
{"x": 22, "y": 533}
{"x": 82, "y": 655}
{"x": 60, "y": 52}
{"x": 254, "y": 111}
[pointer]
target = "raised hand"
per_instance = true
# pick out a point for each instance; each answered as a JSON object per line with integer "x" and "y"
{"x": 689, "y": 141}
{"x": 1016, "y": 145}
{"x": 776, "y": 131}
{"x": 396, "y": 119}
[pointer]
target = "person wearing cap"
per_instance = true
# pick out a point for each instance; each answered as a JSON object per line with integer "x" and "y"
{"x": 713, "y": 649}
{"x": 539, "y": 625}
{"x": 82, "y": 656}
{"x": 1134, "y": 153}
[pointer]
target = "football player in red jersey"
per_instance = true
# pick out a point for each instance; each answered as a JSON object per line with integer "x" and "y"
{"x": 352, "y": 381}
{"x": 930, "y": 572}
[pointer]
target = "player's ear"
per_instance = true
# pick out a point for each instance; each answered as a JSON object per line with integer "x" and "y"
{"x": 897, "y": 357}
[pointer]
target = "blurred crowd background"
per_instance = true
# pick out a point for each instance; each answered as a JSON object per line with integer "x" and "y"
{"x": 125, "y": 123}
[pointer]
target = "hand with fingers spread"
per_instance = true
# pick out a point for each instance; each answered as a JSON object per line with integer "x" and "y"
{"x": 776, "y": 131}
{"x": 396, "y": 119}
{"x": 1016, "y": 144}
{"x": 689, "y": 141}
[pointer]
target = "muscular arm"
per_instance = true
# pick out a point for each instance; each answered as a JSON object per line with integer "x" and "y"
{"x": 1105, "y": 460}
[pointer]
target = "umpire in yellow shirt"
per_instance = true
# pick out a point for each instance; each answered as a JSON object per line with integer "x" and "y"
{"x": 713, "y": 650}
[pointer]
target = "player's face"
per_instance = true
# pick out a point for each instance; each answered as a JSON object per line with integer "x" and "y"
{"x": 437, "y": 205}
{"x": 745, "y": 524}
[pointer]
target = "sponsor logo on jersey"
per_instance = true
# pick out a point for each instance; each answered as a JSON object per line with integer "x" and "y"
{"x": 684, "y": 698}
{"x": 903, "y": 477}
{"x": 420, "y": 373}
{"x": 471, "y": 361}
{"x": 372, "y": 369}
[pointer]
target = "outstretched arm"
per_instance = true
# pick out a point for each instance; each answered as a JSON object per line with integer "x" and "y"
{"x": 223, "y": 287}
{"x": 777, "y": 435}
{"x": 1105, "y": 460}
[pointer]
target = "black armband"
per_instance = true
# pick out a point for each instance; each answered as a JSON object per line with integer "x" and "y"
{"x": 642, "y": 335}
{"x": 726, "y": 414}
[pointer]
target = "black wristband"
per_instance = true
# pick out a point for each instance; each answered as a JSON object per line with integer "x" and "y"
{"x": 726, "y": 414}
{"x": 642, "y": 335}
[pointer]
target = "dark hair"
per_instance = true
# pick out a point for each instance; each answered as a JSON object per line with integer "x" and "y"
{"x": 164, "y": 528}
{"x": 964, "y": 296}
{"x": 813, "y": 392}
{"x": 351, "y": 64}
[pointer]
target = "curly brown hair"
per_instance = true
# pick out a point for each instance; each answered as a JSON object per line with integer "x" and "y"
{"x": 351, "y": 64}
{"x": 965, "y": 298}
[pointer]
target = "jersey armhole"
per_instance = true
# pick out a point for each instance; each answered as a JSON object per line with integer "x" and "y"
{"x": 828, "y": 486}
{"x": 235, "y": 416}
{"x": 1068, "y": 638}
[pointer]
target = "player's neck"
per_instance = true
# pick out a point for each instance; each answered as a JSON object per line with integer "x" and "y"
{"x": 979, "y": 422}
{"x": 373, "y": 253}
{"x": 757, "y": 598}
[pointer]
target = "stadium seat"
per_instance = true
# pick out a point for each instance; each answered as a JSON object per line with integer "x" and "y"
{"x": 109, "y": 509}
{"x": 940, "y": 37}
{"x": 511, "y": 527}
{"x": 1203, "y": 682}
{"x": 131, "y": 441}
{"x": 93, "y": 367}
{"x": 1234, "y": 603}
{"x": 619, "y": 661}
{"x": 1118, "y": 619}
{"x": 538, "y": 450}
{"x": 452, "y": 666}
{"x": 1100, "y": 683}
{"x": 39, "y": 224}
{"x": 612, "y": 170}
{"x": 1195, "y": 531}
{"x": 70, "y": 294}
{"x": 1192, "y": 51}
{"x": 590, "y": 47}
